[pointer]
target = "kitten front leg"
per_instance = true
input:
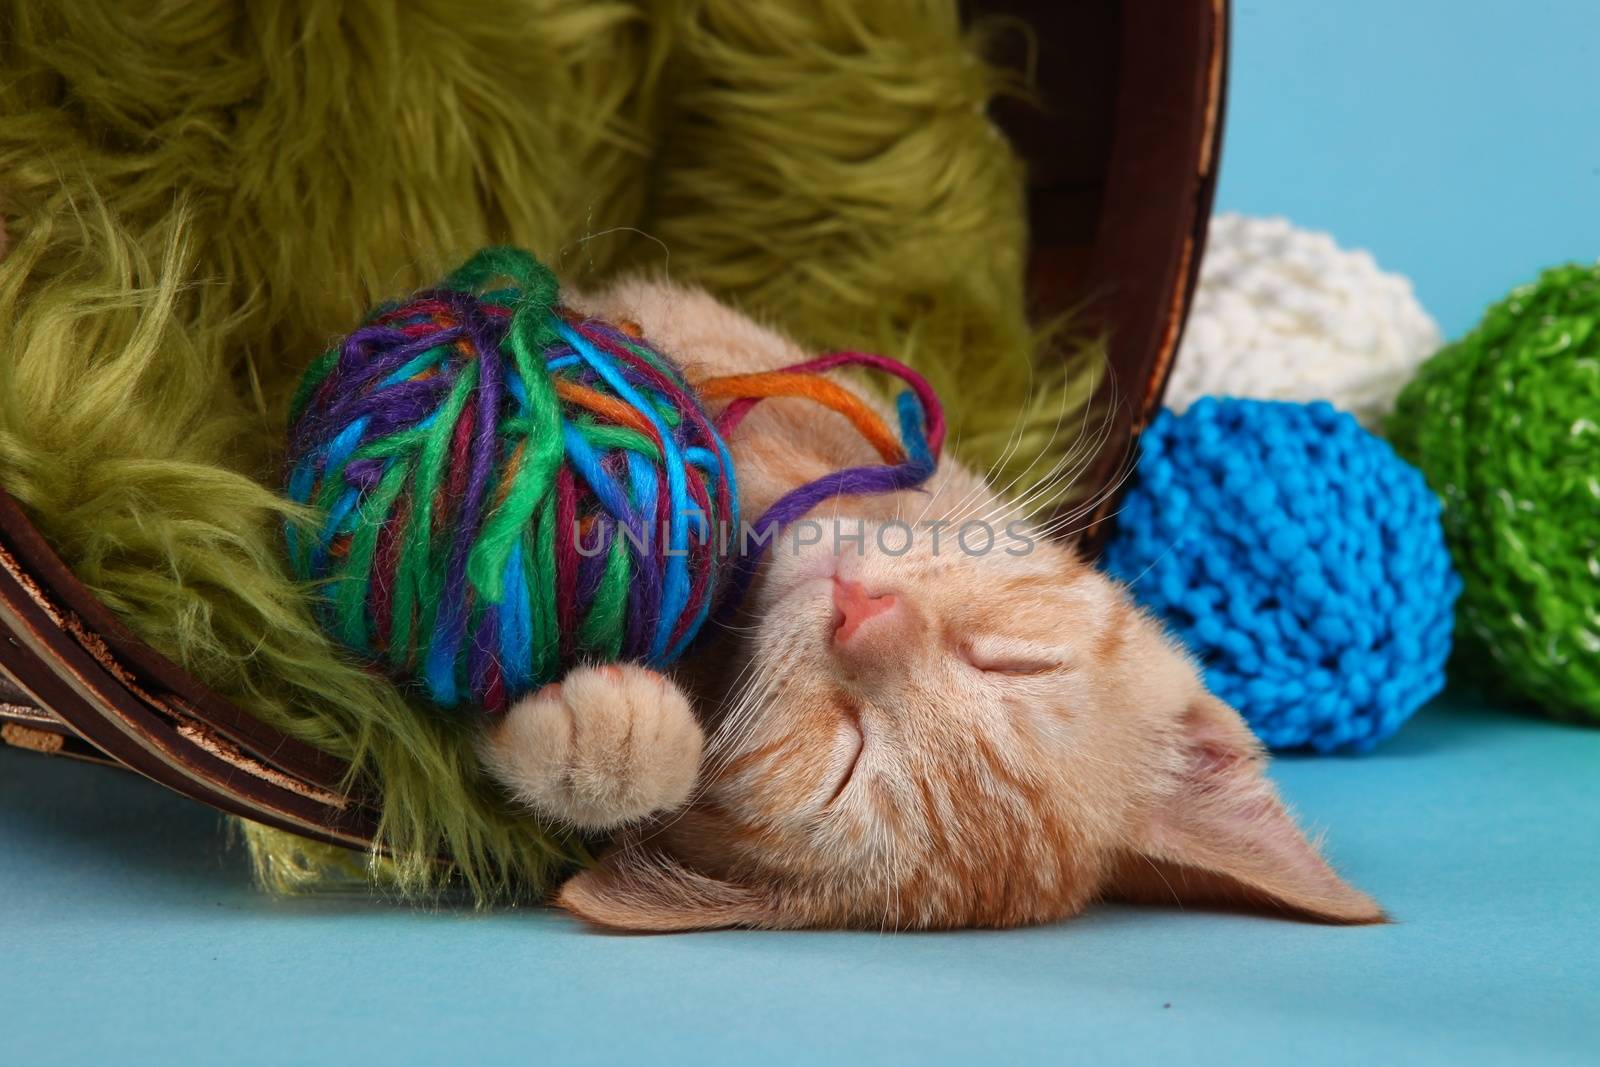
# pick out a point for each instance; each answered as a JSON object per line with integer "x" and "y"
{"x": 604, "y": 746}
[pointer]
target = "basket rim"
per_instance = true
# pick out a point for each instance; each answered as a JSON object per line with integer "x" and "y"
{"x": 1163, "y": 180}
{"x": 79, "y": 664}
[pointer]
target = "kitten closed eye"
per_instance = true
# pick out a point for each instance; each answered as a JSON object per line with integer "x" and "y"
{"x": 1001, "y": 661}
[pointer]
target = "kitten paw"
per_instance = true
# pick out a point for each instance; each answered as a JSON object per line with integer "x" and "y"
{"x": 605, "y": 746}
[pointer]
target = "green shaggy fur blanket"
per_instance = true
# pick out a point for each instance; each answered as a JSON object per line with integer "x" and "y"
{"x": 198, "y": 197}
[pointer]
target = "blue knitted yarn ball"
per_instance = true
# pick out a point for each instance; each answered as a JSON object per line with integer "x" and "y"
{"x": 1300, "y": 559}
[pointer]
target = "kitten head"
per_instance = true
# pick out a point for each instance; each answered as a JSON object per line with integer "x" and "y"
{"x": 942, "y": 738}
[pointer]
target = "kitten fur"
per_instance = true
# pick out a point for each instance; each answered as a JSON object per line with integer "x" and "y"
{"x": 932, "y": 739}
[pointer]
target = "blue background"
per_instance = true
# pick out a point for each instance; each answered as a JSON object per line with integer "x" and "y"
{"x": 1455, "y": 141}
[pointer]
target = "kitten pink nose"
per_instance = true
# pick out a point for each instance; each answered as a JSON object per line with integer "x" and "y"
{"x": 853, "y": 606}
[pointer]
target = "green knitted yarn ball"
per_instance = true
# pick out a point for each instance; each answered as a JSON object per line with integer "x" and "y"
{"x": 1505, "y": 425}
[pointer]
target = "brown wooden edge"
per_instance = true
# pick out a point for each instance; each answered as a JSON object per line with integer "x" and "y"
{"x": 1171, "y": 98}
{"x": 63, "y": 650}
{"x": 36, "y": 564}
{"x": 24, "y": 725}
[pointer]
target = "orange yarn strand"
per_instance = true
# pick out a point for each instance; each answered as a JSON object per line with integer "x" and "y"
{"x": 810, "y": 387}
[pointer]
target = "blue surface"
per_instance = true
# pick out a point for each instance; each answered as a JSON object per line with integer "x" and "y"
{"x": 1455, "y": 140}
{"x": 130, "y": 932}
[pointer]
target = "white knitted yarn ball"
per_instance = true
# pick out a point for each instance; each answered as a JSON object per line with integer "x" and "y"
{"x": 1283, "y": 313}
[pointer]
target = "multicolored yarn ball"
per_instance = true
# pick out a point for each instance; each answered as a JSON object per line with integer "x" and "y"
{"x": 1284, "y": 313}
{"x": 1302, "y": 562}
{"x": 1505, "y": 424}
{"x": 506, "y": 488}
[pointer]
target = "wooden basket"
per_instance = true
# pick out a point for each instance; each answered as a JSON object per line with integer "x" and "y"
{"x": 1122, "y": 161}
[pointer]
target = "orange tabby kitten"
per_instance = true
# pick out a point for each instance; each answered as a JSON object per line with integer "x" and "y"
{"x": 925, "y": 738}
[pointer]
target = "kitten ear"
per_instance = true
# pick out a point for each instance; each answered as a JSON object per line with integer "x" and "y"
{"x": 646, "y": 890}
{"x": 1223, "y": 837}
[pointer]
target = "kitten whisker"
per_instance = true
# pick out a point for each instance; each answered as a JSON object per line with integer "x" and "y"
{"x": 1003, "y": 491}
{"x": 1013, "y": 442}
{"x": 1051, "y": 527}
{"x": 1082, "y": 453}
{"x": 1064, "y": 471}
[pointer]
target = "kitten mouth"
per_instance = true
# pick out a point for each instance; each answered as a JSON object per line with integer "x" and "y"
{"x": 859, "y": 741}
